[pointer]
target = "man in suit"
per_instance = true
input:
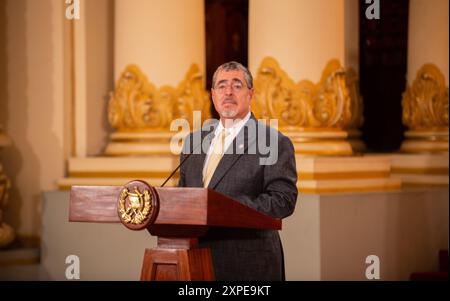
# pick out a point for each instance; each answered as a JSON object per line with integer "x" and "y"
{"x": 230, "y": 156}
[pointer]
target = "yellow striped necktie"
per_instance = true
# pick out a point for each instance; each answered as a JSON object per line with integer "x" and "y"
{"x": 214, "y": 157}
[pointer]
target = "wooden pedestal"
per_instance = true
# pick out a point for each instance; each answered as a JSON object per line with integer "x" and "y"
{"x": 177, "y": 259}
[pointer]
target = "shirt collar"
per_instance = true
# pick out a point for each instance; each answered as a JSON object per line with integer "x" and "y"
{"x": 236, "y": 125}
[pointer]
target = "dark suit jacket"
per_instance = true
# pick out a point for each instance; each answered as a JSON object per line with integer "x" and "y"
{"x": 246, "y": 254}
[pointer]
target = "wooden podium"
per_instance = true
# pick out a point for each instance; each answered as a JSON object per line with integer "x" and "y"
{"x": 177, "y": 216}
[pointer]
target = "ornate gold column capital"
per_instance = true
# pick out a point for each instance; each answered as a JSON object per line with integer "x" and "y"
{"x": 307, "y": 112}
{"x": 136, "y": 104}
{"x": 425, "y": 102}
{"x": 142, "y": 113}
{"x": 425, "y": 112}
{"x": 332, "y": 103}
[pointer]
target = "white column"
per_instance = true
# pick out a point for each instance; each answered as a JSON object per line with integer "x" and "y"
{"x": 80, "y": 83}
{"x": 351, "y": 15}
{"x": 92, "y": 75}
{"x": 162, "y": 37}
{"x": 425, "y": 101}
{"x": 427, "y": 36}
{"x": 301, "y": 35}
{"x": 424, "y": 161}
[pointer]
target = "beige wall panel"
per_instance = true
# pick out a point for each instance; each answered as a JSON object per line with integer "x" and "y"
{"x": 427, "y": 36}
{"x": 34, "y": 111}
{"x": 99, "y": 72}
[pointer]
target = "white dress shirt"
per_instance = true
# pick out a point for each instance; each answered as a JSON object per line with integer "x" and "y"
{"x": 231, "y": 134}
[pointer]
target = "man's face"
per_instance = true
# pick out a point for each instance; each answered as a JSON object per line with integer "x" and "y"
{"x": 230, "y": 95}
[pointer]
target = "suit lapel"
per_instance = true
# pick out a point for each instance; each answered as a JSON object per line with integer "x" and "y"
{"x": 199, "y": 159}
{"x": 228, "y": 160}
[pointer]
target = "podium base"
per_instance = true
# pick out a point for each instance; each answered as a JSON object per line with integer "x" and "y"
{"x": 177, "y": 265}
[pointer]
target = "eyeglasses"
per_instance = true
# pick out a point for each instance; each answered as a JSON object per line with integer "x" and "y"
{"x": 235, "y": 86}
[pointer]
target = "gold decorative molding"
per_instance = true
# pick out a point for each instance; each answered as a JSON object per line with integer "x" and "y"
{"x": 319, "y": 118}
{"x": 333, "y": 103}
{"x": 420, "y": 168}
{"x": 335, "y": 174}
{"x": 425, "y": 112}
{"x": 142, "y": 114}
{"x": 137, "y": 105}
{"x": 425, "y": 102}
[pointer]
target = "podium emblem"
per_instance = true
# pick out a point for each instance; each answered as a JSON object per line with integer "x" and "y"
{"x": 136, "y": 205}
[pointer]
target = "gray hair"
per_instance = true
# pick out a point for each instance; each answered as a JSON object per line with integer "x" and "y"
{"x": 234, "y": 66}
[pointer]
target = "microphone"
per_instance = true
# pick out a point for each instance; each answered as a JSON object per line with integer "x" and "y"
{"x": 179, "y": 165}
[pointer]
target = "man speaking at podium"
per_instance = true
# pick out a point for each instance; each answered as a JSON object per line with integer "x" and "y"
{"x": 233, "y": 159}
